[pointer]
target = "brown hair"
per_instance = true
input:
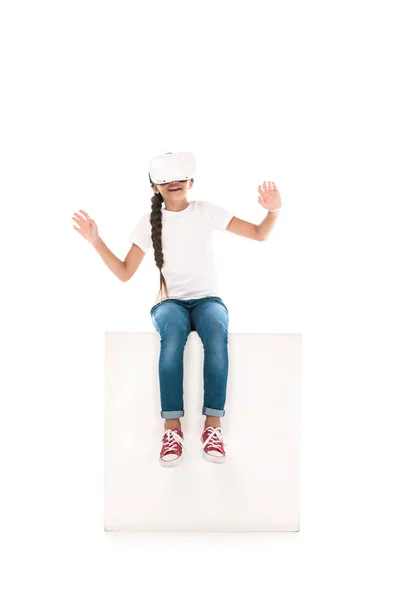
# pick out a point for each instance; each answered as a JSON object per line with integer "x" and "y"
{"x": 156, "y": 231}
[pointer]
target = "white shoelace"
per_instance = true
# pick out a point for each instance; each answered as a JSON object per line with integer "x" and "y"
{"x": 172, "y": 439}
{"x": 217, "y": 432}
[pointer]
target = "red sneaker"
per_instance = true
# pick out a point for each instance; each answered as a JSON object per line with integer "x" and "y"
{"x": 171, "y": 453}
{"x": 213, "y": 445}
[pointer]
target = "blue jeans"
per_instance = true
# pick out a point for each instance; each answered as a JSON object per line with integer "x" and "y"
{"x": 174, "y": 320}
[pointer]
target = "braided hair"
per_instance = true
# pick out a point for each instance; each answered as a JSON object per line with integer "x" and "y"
{"x": 156, "y": 236}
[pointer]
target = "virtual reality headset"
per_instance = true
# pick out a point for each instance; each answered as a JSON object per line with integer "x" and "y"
{"x": 178, "y": 166}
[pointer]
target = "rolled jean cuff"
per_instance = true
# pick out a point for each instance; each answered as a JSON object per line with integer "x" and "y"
{"x": 172, "y": 414}
{"x": 213, "y": 412}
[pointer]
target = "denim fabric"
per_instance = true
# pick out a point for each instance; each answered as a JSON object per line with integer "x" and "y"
{"x": 174, "y": 320}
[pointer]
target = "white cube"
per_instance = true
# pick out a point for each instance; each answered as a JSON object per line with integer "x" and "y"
{"x": 257, "y": 488}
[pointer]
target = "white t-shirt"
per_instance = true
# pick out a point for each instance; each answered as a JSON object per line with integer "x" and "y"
{"x": 187, "y": 244}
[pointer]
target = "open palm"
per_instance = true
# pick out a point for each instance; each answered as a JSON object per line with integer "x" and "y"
{"x": 269, "y": 196}
{"x": 87, "y": 227}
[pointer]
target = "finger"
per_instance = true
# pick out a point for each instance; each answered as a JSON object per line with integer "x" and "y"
{"x": 274, "y": 184}
{"x": 78, "y": 230}
{"x": 265, "y": 186}
{"x": 84, "y": 213}
{"x": 80, "y": 218}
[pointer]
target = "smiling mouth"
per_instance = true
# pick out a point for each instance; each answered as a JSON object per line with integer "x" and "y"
{"x": 175, "y": 189}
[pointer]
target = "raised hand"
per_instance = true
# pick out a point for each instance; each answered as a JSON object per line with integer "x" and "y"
{"x": 87, "y": 227}
{"x": 269, "y": 196}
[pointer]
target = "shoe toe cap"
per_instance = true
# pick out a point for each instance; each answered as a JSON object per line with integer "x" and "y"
{"x": 214, "y": 453}
{"x": 169, "y": 457}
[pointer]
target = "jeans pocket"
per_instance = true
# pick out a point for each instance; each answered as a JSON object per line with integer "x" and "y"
{"x": 153, "y": 308}
{"x": 219, "y": 300}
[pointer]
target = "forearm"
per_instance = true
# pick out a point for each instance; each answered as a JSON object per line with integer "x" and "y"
{"x": 116, "y": 265}
{"x": 265, "y": 227}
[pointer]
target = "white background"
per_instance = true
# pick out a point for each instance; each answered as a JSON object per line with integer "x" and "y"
{"x": 304, "y": 94}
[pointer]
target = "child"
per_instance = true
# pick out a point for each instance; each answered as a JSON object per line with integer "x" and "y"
{"x": 180, "y": 233}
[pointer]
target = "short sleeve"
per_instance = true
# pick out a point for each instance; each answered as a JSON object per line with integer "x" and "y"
{"x": 218, "y": 216}
{"x": 141, "y": 235}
